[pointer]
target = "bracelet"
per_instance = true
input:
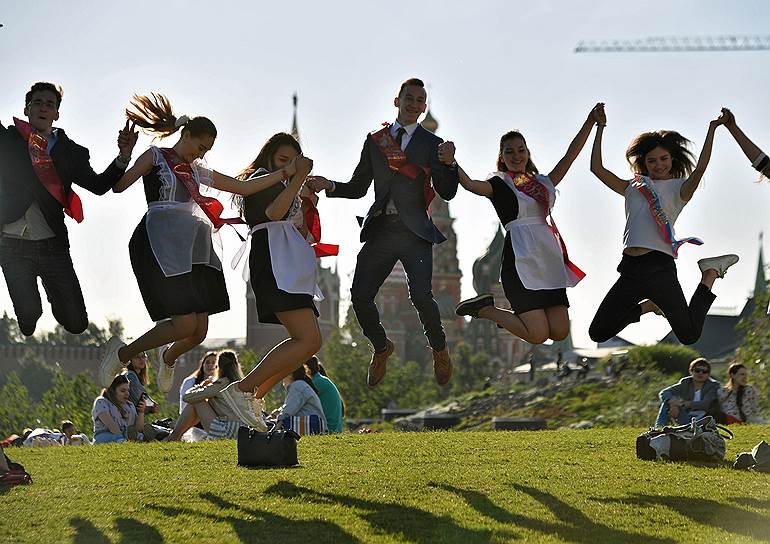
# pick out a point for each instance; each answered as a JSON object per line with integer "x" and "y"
{"x": 760, "y": 162}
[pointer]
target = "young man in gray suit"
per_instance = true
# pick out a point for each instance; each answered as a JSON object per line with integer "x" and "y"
{"x": 408, "y": 165}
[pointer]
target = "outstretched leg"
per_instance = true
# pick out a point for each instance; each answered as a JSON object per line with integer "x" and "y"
{"x": 176, "y": 329}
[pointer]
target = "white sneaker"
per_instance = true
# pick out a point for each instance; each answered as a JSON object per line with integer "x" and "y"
{"x": 243, "y": 405}
{"x": 720, "y": 264}
{"x": 165, "y": 371}
{"x": 110, "y": 364}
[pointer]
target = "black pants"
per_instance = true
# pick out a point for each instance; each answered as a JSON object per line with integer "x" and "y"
{"x": 392, "y": 241}
{"x": 652, "y": 276}
{"x": 23, "y": 261}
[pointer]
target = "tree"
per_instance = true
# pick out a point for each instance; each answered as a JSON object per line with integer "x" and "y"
{"x": 754, "y": 352}
{"x": 9, "y": 330}
{"x": 15, "y": 407}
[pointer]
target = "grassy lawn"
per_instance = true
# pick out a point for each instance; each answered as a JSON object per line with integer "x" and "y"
{"x": 548, "y": 486}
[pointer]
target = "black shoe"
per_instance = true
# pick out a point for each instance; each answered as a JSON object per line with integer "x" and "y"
{"x": 472, "y": 306}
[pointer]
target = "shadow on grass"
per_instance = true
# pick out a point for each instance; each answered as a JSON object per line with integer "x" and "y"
{"x": 130, "y": 531}
{"x": 573, "y": 525}
{"x": 256, "y": 526}
{"x": 719, "y": 515}
{"x": 391, "y": 518}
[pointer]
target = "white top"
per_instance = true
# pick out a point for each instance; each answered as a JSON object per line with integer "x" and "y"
{"x": 641, "y": 229}
{"x": 188, "y": 382}
{"x": 407, "y": 136}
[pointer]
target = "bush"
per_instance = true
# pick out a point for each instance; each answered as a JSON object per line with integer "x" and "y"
{"x": 668, "y": 358}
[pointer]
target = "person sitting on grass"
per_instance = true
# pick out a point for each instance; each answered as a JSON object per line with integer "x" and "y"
{"x": 138, "y": 379}
{"x": 205, "y": 403}
{"x": 73, "y": 437}
{"x": 738, "y": 400}
{"x": 207, "y": 370}
{"x": 301, "y": 401}
{"x": 116, "y": 419}
{"x": 692, "y": 397}
{"x": 330, "y": 397}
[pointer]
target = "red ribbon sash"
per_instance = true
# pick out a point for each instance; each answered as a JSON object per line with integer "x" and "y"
{"x": 211, "y": 207}
{"x": 46, "y": 173}
{"x": 528, "y": 184}
{"x": 397, "y": 161}
{"x": 313, "y": 226}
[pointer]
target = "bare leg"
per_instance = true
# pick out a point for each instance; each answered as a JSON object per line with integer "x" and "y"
{"x": 304, "y": 341}
{"x": 558, "y": 322}
{"x": 180, "y": 347}
{"x": 206, "y": 414}
{"x": 708, "y": 277}
{"x": 177, "y": 328}
{"x": 530, "y": 326}
{"x": 186, "y": 420}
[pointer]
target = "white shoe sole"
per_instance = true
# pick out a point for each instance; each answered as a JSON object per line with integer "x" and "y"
{"x": 110, "y": 364}
{"x": 165, "y": 372}
{"x": 719, "y": 264}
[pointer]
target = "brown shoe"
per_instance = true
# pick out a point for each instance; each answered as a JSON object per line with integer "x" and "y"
{"x": 377, "y": 365}
{"x": 442, "y": 366}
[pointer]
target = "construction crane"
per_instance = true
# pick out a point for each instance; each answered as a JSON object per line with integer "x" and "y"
{"x": 660, "y": 44}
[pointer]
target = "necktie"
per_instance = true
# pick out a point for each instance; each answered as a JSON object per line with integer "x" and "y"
{"x": 400, "y": 136}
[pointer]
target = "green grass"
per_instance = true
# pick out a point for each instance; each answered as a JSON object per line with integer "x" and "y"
{"x": 548, "y": 486}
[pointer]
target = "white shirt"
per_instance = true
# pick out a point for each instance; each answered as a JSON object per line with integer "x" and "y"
{"x": 641, "y": 229}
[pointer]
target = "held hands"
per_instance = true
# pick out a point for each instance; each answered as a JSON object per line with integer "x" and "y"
{"x": 127, "y": 137}
{"x": 719, "y": 120}
{"x": 446, "y": 152}
{"x": 597, "y": 115}
{"x": 303, "y": 165}
{"x": 318, "y": 184}
{"x": 729, "y": 118}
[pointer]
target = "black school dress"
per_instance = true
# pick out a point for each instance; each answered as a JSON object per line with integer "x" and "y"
{"x": 506, "y": 203}
{"x": 270, "y": 299}
{"x": 171, "y": 250}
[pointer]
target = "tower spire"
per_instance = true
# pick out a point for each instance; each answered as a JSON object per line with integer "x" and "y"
{"x": 760, "y": 283}
{"x": 294, "y": 129}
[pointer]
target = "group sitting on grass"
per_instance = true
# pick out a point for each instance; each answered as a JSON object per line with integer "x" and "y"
{"x": 698, "y": 395}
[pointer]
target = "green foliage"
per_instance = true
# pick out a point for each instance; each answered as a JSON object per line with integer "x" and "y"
{"x": 92, "y": 336}
{"x": 15, "y": 406}
{"x": 422, "y": 488}
{"x": 668, "y": 358}
{"x": 9, "y": 330}
{"x": 755, "y": 350}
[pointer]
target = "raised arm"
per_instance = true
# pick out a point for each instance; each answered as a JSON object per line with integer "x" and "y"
{"x": 278, "y": 207}
{"x": 443, "y": 168}
{"x": 254, "y": 185}
{"x": 483, "y": 188}
{"x": 608, "y": 178}
{"x": 689, "y": 186}
{"x": 141, "y": 167}
{"x": 575, "y": 147}
{"x": 749, "y": 148}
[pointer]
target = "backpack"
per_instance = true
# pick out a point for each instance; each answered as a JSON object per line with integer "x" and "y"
{"x": 15, "y": 476}
{"x": 700, "y": 440}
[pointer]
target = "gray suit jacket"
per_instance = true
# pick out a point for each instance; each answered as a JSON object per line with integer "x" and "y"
{"x": 407, "y": 194}
{"x": 685, "y": 390}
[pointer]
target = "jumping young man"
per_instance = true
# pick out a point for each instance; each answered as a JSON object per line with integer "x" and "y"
{"x": 406, "y": 162}
{"x": 38, "y": 166}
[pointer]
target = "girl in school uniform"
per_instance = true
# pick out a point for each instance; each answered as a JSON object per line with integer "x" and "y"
{"x": 535, "y": 269}
{"x": 281, "y": 265}
{"x": 172, "y": 252}
{"x": 665, "y": 180}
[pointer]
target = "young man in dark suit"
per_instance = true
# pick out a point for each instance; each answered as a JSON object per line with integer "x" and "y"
{"x": 406, "y": 162}
{"x": 38, "y": 166}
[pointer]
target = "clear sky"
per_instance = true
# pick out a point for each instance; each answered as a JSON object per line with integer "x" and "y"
{"x": 490, "y": 66}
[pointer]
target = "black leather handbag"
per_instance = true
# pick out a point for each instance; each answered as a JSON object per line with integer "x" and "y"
{"x": 270, "y": 449}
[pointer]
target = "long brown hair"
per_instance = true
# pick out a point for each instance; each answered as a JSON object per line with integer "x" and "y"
{"x": 731, "y": 372}
{"x": 156, "y": 116}
{"x": 109, "y": 392}
{"x": 299, "y": 374}
{"x": 198, "y": 374}
{"x": 530, "y": 167}
{"x": 229, "y": 367}
{"x": 264, "y": 159}
{"x": 682, "y": 159}
{"x": 143, "y": 375}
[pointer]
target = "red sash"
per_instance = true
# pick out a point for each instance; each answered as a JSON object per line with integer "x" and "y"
{"x": 211, "y": 207}
{"x": 528, "y": 184}
{"x": 313, "y": 225}
{"x": 397, "y": 161}
{"x": 46, "y": 173}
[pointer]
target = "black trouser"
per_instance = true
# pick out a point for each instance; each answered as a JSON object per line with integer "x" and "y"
{"x": 652, "y": 276}
{"x": 23, "y": 261}
{"x": 392, "y": 241}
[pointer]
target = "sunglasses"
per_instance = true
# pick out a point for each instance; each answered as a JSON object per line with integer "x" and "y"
{"x": 701, "y": 370}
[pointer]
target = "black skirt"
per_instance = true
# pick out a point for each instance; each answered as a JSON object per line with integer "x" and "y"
{"x": 202, "y": 290}
{"x": 523, "y": 299}
{"x": 269, "y": 298}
